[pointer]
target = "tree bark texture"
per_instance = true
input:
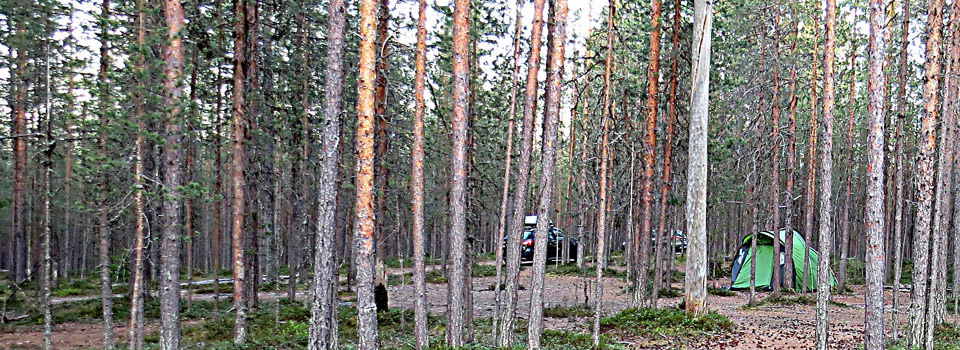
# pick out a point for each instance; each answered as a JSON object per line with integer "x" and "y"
{"x": 927, "y": 146}
{"x": 237, "y": 172}
{"x": 826, "y": 181}
{"x": 508, "y": 309}
{"x": 458, "y": 174}
{"x": 874, "y": 225}
{"x": 601, "y": 247}
{"x": 549, "y": 155}
{"x": 696, "y": 273}
{"x": 365, "y": 221}
{"x": 323, "y": 320}
{"x": 420, "y": 331}
{"x": 650, "y": 149}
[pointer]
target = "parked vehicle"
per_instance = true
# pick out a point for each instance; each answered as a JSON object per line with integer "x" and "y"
{"x": 678, "y": 240}
{"x": 554, "y": 241}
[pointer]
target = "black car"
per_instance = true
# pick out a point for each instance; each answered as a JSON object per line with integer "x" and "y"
{"x": 554, "y": 243}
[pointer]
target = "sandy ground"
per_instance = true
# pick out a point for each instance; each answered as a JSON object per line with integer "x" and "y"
{"x": 764, "y": 327}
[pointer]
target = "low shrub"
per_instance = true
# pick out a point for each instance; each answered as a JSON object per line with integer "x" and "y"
{"x": 560, "y": 311}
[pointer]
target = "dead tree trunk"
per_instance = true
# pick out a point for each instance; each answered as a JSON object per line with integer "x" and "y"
{"x": 696, "y": 274}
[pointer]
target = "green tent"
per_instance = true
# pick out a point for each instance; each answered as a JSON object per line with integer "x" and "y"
{"x": 740, "y": 274}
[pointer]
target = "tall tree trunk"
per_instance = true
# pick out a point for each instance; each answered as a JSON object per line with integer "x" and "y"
{"x": 775, "y": 135}
{"x": 458, "y": 166}
{"x": 936, "y": 305}
{"x": 665, "y": 243}
{"x": 845, "y": 225}
{"x": 554, "y": 86}
{"x": 303, "y": 138}
{"x": 106, "y": 294}
{"x": 873, "y": 330}
{"x": 218, "y": 194}
{"x": 650, "y": 150}
{"x": 363, "y": 229}
{"x": 18, "y": 232}
{"x": 604, "y": 160}
{"x": 826, "y": 181}
{"x": 754, "y": 187}
{"x": 924, "y": 179}
{"x": 696, "y": 274}
{"x": 323, "y": 325}
{"x": 381, "y": 172}
{"x": 48, "y": 150}
{"x": 237, "y": 178}
{"x": 811, "y": 169}
{"x": 420, "y": 331}
{"x": 899, "y": 165}
{"x": 788, "y": 268}
{"x": 170, "y": 237}
{"x": 137, "y": 288}
{"x": 502, "y": 225}
{"x": 508, "y": 311}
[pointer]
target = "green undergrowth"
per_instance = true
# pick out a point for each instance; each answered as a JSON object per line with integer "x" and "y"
{"x": 794, "y": 300}
{"x": 667, "y": 322}
{"x": 91, "y": 311}
{"x": 586, "y": 271}
{"x": 568, "y": 311}
{"x": 395, "y": 331}
{"x": 436, "y": 275}
{"x": 945, "y": 337}
{"x": 721, "y": 292}
{"x": 669, "y": 293}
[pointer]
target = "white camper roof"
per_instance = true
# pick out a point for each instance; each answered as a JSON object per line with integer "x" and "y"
{"x": 530, "y": 220}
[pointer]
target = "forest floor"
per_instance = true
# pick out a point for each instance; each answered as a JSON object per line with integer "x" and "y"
{"x": 783, "y": 323}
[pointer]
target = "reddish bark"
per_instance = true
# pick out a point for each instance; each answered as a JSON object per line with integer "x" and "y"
{"x": 365, "y": 221}
{"x": 170, "y": 236}
{"x": 650, "y": 149}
